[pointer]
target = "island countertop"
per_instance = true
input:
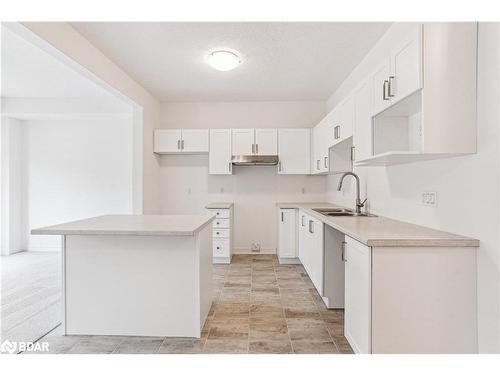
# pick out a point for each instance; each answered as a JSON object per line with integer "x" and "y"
{"x": 379, "y": 231}
{"x": 131, "y": 225}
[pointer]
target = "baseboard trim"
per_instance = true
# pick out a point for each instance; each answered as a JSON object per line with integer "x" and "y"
{"x": 249, "y": 251}
{"x": 289, "y": 260}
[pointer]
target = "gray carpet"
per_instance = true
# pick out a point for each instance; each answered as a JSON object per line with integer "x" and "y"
{"x": 30, "y": 295}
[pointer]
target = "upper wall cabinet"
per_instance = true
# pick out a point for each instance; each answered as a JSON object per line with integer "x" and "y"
{"x": 400, "y": 73}
{"x": 219, "y": 158}
{"x": 425, "y": 108}
{"x": 177, "y": 141}
{"x": 255, "y": 141}
{"x": 343, "y": 120}
{"x": 294, "y": 151}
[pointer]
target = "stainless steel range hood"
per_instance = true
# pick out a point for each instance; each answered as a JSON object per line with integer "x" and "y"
{"x": 251, "y": 160}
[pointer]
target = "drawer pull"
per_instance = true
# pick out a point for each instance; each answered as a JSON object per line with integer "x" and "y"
{"x": 218, "y": 247}
{"x": 217, "y": 232}
{"x": 218, "y": 223}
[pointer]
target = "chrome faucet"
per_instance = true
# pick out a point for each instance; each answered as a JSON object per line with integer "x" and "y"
{"x": 359, "y": 204}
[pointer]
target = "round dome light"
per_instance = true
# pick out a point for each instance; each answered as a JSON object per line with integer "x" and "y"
{"x": 223, "y": 60}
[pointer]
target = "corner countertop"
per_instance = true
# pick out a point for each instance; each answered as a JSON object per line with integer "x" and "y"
{"x": 131, "y": 225}
{"x": 381, "y": 231}
{"x": 220, "y": 205}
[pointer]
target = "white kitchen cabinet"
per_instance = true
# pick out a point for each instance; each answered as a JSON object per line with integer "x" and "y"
{"x": 400, "y": 73}
{"x": 316, "y": 256}
{"x": 266, "y": 141}
{"x": 195, "y": 140}
{"x": 302, "y": 237}
{"x": 406, "y": 67}
{"x": 362, "y": 122}
{"x": 294, "y": 151}
{"x": 321, "y": 143}
{"x": 287, "y": 235}
{"x": 255, "y": 141}
{"x": 219, "y": 157}
{"x": 427, "y": 95}
{"x": 380, "y": 86}
{"x": 167, "y": 141}
{"x": 357, "y": 316}
{"x": 243, "y": 141}
{"x": 222, "y": 229}
{"x": 178, "y": 141}
{"x": 311, "y": 248}
{"x": 343, "y": 121}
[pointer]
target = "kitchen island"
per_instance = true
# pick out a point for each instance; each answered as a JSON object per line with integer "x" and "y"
{"x": 136, "y": 275}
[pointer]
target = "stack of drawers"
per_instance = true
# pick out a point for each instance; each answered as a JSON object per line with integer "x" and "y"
{"x": 222, "y": 228}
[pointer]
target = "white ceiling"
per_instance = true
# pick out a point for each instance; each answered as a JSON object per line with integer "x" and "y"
{"x": 29, "y": 72}
{"x": 282, "y": 61}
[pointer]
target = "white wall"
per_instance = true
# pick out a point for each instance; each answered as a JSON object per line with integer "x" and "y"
{"x": 12, "y": 201}
{"x": 80, "y": 54}
{"x": 467, "y": 187}
{"x": 186, "y": 186}
{"x": 74, "y": 169}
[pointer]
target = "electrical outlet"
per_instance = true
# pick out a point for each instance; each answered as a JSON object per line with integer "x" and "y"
{"x": 429, "y": 198}
{"x": 255, "y": 247}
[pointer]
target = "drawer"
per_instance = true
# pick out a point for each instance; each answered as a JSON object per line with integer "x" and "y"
{"x": 221, "y": 233}
{"x": 221, "y": 213}
{"x": 221, "y": 248}
{"x": 221, "y": 223}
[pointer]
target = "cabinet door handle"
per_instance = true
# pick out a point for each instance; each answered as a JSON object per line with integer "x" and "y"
{"x": 385, "y": 90}
{"x": 390, "y": 92}
{"x": 353, "y": 153}
{"x": 311, "y": 226}
{"x": 256, "y": 148}
{"x": 182, "y": 144}
{"x": 229, "y": 167}
{"x": 281, "y": 216}
{"x": 317, "y": 164}
{"x": 218, "y": 247}
{"x": 343, "y": 252}
{"x": 303, "y": 217}
{"x": 178, "y": 144}
{"x": 326, "y": 159}
{"x": 279, "y": 166}
{"x": 253, "y": 148}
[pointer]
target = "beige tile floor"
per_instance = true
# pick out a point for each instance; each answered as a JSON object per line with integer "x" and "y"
{"x": 259, "y": 306}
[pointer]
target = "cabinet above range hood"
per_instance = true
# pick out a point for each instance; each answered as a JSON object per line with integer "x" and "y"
{"x": 254, "y": 160}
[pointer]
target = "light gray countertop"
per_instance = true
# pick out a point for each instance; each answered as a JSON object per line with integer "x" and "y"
{"x": 220, "y": 205}
{"x": 384, "y": 232}
{"x": 132, "y": 225}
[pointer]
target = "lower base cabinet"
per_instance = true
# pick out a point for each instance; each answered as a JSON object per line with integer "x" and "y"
{"x": 410, "y": 300}
{"x": 222, "y": 234}
{"x": 357, "y": 316}
{"x": 287, "y": 235}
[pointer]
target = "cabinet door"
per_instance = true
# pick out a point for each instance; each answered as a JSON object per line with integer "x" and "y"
{"x": 357, "y": 319}
{"x": 316, "y": 256}
{"x": 317, "y": 149}
{"x": 380, "y": 80}
{"x": 194, "y": 140}
{"x": 219, "y": 157}
{"x": 363, "y": 123}
{"x": 294, "y": 151}
{"x": 243, "y": 141}
{"x": 302, "y": 229}
{"x": 406, "y": 67}
{"x": 167, "y": 141}
{"x": 345, "y": 120}
{"x": 266, "y": 141}
{"x": 287, "y": 227}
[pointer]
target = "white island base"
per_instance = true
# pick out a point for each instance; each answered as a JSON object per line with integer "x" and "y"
{"x": 137, "y": 285}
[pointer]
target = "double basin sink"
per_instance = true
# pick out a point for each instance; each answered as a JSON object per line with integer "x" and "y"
{"x": 340, "y": 212}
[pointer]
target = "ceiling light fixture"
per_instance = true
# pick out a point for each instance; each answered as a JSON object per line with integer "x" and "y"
{"x": 223, "y": 60}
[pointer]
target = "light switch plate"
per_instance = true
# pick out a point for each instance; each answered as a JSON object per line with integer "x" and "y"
{"x": 429, "y": 198}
